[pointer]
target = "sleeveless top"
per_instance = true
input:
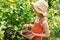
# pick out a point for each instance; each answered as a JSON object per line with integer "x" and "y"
{"x": 38, "y": 29}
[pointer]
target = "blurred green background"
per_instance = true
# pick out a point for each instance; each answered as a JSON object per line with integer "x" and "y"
{"x": 15, "y": 13}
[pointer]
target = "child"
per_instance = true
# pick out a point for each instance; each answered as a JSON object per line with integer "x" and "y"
{"x": 40, "y": 23}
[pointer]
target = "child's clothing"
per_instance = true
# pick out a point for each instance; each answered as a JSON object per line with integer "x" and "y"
{"x": 38, "y": 29}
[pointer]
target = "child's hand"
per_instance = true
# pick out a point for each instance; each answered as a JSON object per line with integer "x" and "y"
{"x": 30, "y": 36}
{"x": 25, "y": 25}
{"x": 34, "y": 33}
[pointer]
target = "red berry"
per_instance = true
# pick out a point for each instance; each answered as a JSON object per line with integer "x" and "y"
{"x": 26, "y": 33}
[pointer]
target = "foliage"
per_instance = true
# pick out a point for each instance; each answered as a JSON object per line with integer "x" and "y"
{"x": 15, "y": 13}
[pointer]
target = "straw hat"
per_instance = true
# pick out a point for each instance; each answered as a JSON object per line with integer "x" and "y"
{"x": 41, "y": 6}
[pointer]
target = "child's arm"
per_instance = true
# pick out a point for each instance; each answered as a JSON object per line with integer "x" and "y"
{"x": 45, "y": 28}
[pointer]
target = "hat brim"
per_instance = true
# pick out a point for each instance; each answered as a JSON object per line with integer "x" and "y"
{"x": 39, "y": 9}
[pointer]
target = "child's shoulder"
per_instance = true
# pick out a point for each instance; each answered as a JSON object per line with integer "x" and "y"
{"x": 44, "y": 19}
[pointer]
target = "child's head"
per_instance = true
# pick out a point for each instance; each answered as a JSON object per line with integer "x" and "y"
{"x": 41, "y": 6}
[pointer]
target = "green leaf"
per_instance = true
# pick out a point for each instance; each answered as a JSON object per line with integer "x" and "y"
{"x": 1, "y": 34}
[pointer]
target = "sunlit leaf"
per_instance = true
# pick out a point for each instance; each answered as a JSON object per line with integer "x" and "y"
{"x": 12, "y": 0}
